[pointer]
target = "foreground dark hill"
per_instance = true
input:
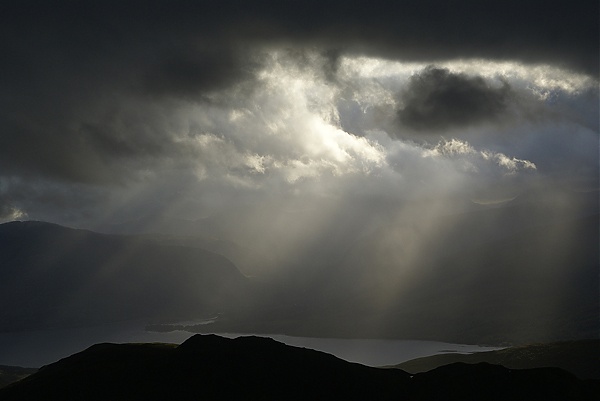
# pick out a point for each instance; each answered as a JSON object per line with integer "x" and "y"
{"x": 206, "y": 367}
{"x": 53, "y": 276}
{"x": 578, "y": 357}
{"x": 252, "y": 368}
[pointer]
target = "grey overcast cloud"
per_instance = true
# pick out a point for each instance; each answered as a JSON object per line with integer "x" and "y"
{"x": 306, "y": 131}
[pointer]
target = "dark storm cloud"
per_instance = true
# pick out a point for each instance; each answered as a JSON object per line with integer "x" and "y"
{"x": 72, "y": 73}
{"x": 69, "y": 67}
{"x": 185, "y": 74}
{"x": 437, "y": 99}
{"x": 198, "y": 43}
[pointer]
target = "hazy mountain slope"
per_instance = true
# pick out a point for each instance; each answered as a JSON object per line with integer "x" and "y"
{"x": 578, "y": 357}
{"x": 254, "y": 368}
{"x": 52, "y": 275}
{"x": 202, "y": 233}
{"x": 247, "y": 260}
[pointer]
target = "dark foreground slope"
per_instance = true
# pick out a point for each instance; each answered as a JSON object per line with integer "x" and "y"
{"x": 206, "y": 367}
{"x": 252, "y": 368}
{"x": 578, "y": 357}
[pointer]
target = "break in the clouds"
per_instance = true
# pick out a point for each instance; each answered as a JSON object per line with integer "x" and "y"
{"x": 117, "y": 109}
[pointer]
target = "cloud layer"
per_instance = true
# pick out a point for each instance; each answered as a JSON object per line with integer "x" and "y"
{"x": 120, "y": 109}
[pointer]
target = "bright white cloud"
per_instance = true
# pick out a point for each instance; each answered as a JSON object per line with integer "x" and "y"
{"x": 536, "y": 77}
{"x": 455, "y": 148}
{"x": 290, "y": 128}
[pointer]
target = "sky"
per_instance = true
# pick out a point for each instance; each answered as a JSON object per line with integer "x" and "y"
{"x": 284, "y": 122}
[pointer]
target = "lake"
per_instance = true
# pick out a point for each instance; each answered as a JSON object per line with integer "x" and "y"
{"x": 38, "y": 348}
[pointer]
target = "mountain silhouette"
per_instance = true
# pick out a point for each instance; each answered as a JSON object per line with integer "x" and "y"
{"x": 253, "y": 368}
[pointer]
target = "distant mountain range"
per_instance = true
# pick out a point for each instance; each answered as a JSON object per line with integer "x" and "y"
{"x": 517, "y": 274}
{"x": 53, "y": 276}
{"x": 578, "y": 357}
{"x": 253, "y": 368}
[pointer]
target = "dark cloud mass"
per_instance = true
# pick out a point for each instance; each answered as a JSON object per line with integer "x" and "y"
{"x": 438, "y": 99}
